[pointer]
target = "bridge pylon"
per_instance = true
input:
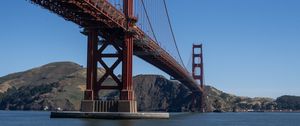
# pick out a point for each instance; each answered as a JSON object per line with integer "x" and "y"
{"x": 198, "y": 75}
{"x": 124, "y": 55}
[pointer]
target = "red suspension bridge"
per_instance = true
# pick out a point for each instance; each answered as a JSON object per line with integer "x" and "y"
{"x": 131, "y": 27}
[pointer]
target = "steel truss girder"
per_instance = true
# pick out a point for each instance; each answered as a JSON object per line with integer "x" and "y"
{"x": 109, "y": 71}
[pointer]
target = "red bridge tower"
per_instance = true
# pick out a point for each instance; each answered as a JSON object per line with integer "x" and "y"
{"x": 198, "y": 75}
{"x": 124, "y": 54}
{"x": 197, "y": 68}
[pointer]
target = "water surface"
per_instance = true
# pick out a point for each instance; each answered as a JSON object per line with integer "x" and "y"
{"x": 23, "y": 118}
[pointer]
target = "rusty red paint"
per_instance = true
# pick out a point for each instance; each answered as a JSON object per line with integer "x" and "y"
{"x": 127, "y": 89}
{"x": 198, "y": 54}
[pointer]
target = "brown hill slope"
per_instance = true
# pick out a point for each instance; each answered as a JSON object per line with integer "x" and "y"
{"x": 61, "y": 84}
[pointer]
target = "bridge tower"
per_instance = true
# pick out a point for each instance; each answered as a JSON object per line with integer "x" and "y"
{"x": 198, "y": 75}
{"x": 124, "y": 54}
{"x": 197, "y": 66}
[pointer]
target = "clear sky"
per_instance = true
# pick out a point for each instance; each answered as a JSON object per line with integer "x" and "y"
{"x": 252, "y": 47}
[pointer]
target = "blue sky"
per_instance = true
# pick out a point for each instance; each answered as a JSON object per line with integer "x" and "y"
{"x": 252, "y": 47}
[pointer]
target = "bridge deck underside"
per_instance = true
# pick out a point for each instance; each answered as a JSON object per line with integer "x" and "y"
{"x": 111, "y": 23}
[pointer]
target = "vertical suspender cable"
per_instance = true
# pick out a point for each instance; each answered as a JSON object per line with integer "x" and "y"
{"x": 148, "y": 18}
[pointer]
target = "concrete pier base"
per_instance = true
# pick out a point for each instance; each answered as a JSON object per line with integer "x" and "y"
{"x": 109, "y": 106}
{"x": 110, "y": 115}
{"x": 127, "y": 106}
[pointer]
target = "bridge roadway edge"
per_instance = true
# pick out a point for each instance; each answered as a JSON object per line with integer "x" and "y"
{"x": 110, "y": 115}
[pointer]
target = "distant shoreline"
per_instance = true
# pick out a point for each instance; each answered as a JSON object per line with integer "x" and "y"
{"x": 267, "y": 111}
{"x": 278, "y": 111}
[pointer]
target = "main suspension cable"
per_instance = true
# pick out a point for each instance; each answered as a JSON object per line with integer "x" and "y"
{"x": 173, "y": 35}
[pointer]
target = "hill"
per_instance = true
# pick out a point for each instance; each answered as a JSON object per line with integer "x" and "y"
{"x": 61, "y": 85}
{"x": 288, "y": 102}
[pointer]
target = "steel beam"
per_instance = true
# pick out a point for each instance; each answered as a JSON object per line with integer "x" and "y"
{"x": 127, "y": 92}
{"x": 91, "y": 79}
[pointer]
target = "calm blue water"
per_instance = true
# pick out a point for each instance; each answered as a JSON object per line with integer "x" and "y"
{"x": 17, "y": 118}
